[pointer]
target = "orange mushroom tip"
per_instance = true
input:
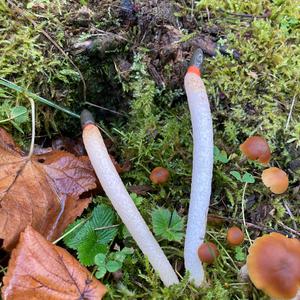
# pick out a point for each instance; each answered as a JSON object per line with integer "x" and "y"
{"x": 194, "y": 69}
{"x": 274, "y": 265}
{"x": 256, "y": 148}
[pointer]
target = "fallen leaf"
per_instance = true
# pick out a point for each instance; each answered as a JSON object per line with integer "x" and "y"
{"x": 40, "y": 270}
{"x": 43, "y": 191}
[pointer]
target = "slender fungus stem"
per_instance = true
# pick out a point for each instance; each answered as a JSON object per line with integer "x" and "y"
{"x": 202, "y": 167}
{"x": 122, "y": 202}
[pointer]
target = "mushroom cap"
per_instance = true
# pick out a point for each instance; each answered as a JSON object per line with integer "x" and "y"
{"x": 235, "y": 236}
{"x": 159, "y": 175}
{"x": 208, "y": 252}
{"x": 256, "y": 148}
{"x": 275, "y": 179}
{"x": 274, "y": 265}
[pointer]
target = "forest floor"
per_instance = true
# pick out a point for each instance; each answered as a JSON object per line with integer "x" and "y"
{"x": 126, "y": 63}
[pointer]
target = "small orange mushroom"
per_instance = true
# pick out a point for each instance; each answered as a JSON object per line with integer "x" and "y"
{"x": 235, "y": 236}
{"x": 256, "y": 148}
{"x": 159, "y": 175}
{"x": 274, "y": 265}
{"x": 275, "y": 179}
{"x": 208, "y": 252}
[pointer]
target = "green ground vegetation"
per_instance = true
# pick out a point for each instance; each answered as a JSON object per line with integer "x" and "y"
{"x": 255, "y": 94}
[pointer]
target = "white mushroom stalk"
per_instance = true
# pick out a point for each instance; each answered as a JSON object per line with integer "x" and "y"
{"x": 202, "y": 167}
{"x": 122, "y": 202}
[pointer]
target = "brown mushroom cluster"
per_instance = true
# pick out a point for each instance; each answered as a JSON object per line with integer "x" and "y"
{"x": 274, "y": 265}
{"x": 257, "y": 148}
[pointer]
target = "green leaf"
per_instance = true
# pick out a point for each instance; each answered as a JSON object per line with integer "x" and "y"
{"x": 220, "y": 155}
{"x": 87, "y": 239}
{"x": 100, "y": 259}
{"x": 119, "y": 256}
{"x": 127, "y": 251}
{"x": 89, "y": 248}
{"x": 136, "y": 199}
{"x": 236, "y": 175}
{"x": 74, "y": 239}
{"x": 167, "y": 225}
{"x": 100, "y": 272}
{"x": 248, "y": 178}
{"x": 104, "y": 216}
{"x": 19, "y": 114}
{"x": 113, "y": 265}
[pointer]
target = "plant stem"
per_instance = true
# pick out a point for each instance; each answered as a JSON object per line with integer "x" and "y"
{"x": 17, "y": 88}
{"x": 243, "y": 213}
{"x": 32, "y": 128}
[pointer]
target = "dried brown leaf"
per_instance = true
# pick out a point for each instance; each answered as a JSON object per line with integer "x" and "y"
{"x": 43, "y": 191}
{"x": 40, "y": 270}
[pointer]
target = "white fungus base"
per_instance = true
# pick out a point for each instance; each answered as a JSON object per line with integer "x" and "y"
{"x": 201, "y": 175}
{"x": 123, "y": 204}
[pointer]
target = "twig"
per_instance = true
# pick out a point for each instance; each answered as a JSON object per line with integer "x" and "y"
{"x": 251, "y": 225}
{"x": 107, "y": 227}
{"x": 25, "y": 14}
{"x": 290, "y": 214}
{"x": 221, "y": 246}
{"x": 290, "y": 113}
{"x": 241, "y": 15}
{"x": 104, "y": 108}
{"x": 68, "y": 232}
{"x": 243, "y": 213}
{"x": 287, "y": 227}
{"x": 32, "y": 128}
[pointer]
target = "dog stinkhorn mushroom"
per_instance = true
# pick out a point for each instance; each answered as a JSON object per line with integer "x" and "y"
{"x": 121, "y": 201}
{"x": 202, "y": 167}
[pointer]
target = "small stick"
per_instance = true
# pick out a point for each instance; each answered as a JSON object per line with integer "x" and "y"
{"x": 243, "y": 213}
{"x": 290, "y": 113}
{"x": 121, "y": 200}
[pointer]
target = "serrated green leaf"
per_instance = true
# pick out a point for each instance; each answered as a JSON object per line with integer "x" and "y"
{"x": 89, "y": 248}
{"x": 113, "y": 265}
{"x": 236, "y": 175}
{"x": 74, "y": 239}
{"x": 167, "y": 225}
{"x": 93, "y": 236}
{"x": 103, "y": 216}
{"x": 248, "y": 178}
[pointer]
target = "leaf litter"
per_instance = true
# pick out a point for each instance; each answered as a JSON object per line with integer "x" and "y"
{"x": 43, "y": 191}
{"x": 40, "y": 270}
